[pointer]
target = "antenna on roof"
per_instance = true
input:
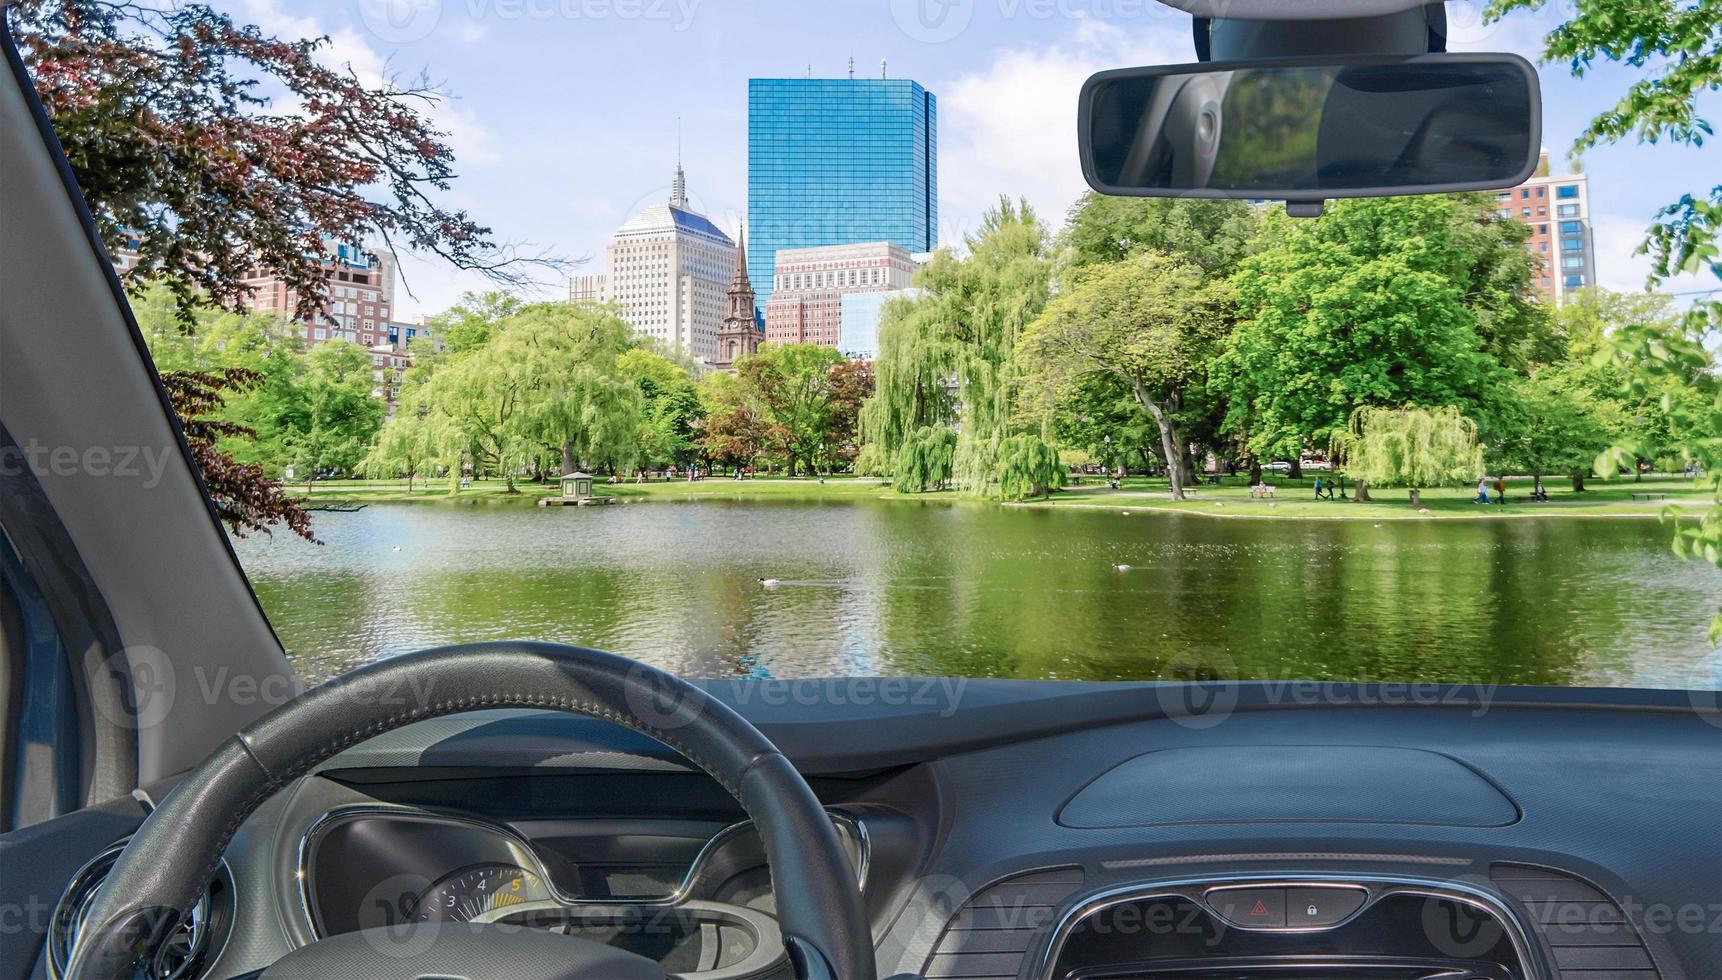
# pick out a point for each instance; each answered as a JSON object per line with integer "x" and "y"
{"x": 851, "y": 68}
{"x": 882, "y": 72}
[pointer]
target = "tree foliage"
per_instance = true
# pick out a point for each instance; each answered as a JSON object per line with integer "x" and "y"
{"x": 1150, "y": 321}
{"x": 925, "y": 461}
{"x": 807, "y": 396}
{"x": 947, "y": 358}
{"x": 245, "y": 498}
{"x": 1028, "y": 467}
{"x": 1409, "y": 447}
{"x": 1382, "y": 302}
{"x": 213, "y": 148}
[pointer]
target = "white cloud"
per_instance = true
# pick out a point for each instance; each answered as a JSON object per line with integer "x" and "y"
{"x": 472, "y": 143}
{"x": 1617, "y": 238}
{"x": 1010, "y": 128}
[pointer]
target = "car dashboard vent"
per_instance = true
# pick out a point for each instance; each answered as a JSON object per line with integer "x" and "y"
{"x": 1587, "y": 932}
{"x": 990, "y": 936}
{"x": 185, "y": 954}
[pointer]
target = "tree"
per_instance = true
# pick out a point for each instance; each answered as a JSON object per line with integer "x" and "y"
{"x": 1379, "y": 303}
{"x": 924, "y": 463}
{"x": 1214, "y": 236}
{"x": 734, "y": 433}
{"x": 1410, "y": 447}
{"x": 212, "y": 148}
{"x": 343, "y": 411}
{"x": 671, "y": 410}
{"x": 576, "y": 402}
{"x": 1553, "y": 424}
{"x": 1028, "y": 467}
{"x": 947, "y": 358}
{"x": 244, "y": 498}
{"x": 851, "y": 386}
{"x": 407, "y": 445}
{"x": 792, "y": 388}
{"x": 1149, "y": 321}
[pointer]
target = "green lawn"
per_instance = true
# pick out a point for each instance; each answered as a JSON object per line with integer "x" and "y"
{"x": 1294, "y": 499}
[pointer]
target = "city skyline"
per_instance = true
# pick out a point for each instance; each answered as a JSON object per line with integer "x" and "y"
{"x": 563, "y": 169}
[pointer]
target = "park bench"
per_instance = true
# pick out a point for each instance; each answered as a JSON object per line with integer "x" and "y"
{"x": 1650, "y": 496}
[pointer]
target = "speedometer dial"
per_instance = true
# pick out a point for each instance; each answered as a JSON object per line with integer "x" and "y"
{"x": 480, "y": 894}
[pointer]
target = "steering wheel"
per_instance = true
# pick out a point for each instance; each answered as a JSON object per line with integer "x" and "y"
{"x": 173, "y": 856}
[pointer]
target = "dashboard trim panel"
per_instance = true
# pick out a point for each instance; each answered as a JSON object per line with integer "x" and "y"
{"x": 1529, "y": 952}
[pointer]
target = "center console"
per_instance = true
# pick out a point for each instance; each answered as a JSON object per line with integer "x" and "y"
{"x": 1296, "y": 928}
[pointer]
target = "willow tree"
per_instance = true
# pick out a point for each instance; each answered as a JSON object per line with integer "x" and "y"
{"x": 1150, "y": 321}
{"x": 959, "y": 339}
{"x": 1409, "y": 447}
{"x": 578, "y": 403}
{"x": 925, "y": 461}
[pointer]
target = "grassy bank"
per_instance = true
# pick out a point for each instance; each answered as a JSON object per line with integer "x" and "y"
{"x": 1292, "y": 500}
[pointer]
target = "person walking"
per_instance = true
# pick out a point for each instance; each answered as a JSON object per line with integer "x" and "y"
{"x": 1501, "y": 490}
{"x": 1318, "y": 488}
{"x": 1482, "y": 492}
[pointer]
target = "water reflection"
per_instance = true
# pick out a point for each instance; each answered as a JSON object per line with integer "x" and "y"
{"x": 970, "y": 590}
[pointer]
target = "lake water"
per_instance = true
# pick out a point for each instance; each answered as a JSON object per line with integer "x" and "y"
{"x": 974, "y": 590}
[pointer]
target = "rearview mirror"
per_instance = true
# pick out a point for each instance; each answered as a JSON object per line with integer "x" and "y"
{"x": 1307, "y": 130}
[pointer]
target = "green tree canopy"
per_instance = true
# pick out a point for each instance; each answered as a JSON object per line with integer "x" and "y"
{"x": 1150, "y": 321}
{"x": 343, "y": 411}
{"x": 1211, "y": 235}
{"x": 1408, "y": 447}
{"x": 1381, "y": 302}
{"x": 793, "y": 389}
{"x": 947, "y": 358}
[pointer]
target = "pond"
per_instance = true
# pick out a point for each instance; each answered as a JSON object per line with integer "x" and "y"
{"x": 886, "y": 587}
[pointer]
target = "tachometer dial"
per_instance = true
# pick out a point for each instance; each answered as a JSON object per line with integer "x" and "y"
{"x": 481, "y": 894}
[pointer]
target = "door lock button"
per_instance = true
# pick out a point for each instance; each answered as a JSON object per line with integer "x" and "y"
{"x": 1251, "y": 908}
{"x": 1315, "y": 908}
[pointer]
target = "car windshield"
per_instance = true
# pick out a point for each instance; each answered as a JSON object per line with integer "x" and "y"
{"x": 787, "y": 340}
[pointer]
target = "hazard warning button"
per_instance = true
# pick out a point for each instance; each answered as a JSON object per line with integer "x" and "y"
{"x": 1251, "y": 908}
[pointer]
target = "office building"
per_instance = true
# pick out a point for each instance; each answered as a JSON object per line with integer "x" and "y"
{"x": 809, "y": 285}
{"x": 1557, "y": 209}
{"x": 838, "y": 162}
{"x": 358, "y": 297}
{"x": 668, "y": 268}
{"x": 860, "y": 316}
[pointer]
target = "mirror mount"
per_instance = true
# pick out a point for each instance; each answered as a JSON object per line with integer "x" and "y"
{"x": 1251, "y": 35}
{"x": 1306, "y": 209}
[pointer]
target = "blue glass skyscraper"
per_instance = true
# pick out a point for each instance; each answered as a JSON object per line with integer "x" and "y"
{"x": 838, "y": 161}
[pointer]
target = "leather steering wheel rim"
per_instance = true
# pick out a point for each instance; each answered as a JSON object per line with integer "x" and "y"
{"x": 175, "y": 853}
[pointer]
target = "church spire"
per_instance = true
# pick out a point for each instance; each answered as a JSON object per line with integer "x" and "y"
{"x": 739, "y": 274}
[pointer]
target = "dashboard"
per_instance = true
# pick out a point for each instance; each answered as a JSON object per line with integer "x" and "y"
{"x": 1036, "y": 832}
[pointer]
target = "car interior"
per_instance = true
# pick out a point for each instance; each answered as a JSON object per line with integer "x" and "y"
{"x": 519, "y": 809}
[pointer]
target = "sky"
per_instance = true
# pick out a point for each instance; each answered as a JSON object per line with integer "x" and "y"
{"x": 563, "y": 114}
